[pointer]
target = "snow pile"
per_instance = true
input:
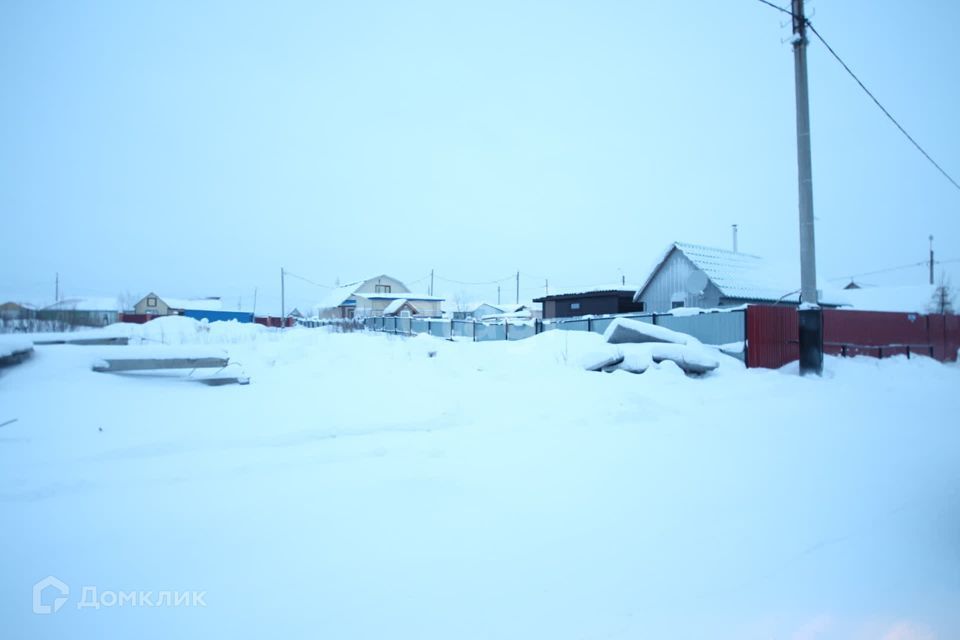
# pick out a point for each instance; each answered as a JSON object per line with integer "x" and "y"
{"x": 10, "y": 345}
{"x": 626, "y": 330}
{"x": 180, "y": 330}
{"x": 367, "y": 489}
{"x": 636, "y": 346}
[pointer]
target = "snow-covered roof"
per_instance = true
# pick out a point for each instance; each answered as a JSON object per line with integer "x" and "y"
{"x": 22, "y": 305}
{"x": 737, "y": 275}
{"x": 599, "y": 288}
{"x": 338, "y": 296}
{"x": 506, "y": 307}
{"x": 473, "y": 306}
{"x": 524, "y": 314}
{"x": 511, "y": 307}
{"x": 193, "y": 304}
{"x": 87, "y": 304}
{"x": 394, "y": 306}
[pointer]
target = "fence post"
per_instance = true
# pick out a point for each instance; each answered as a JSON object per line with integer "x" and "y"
{"x": 506, "y": 329}
{"x": 589, "y": 325}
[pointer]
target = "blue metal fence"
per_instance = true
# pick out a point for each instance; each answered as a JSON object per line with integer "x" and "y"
{"x": 218, "y": 316}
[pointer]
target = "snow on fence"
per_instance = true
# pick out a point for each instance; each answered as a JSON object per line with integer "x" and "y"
{"x": 726, "y": 328}
{"x": 761, "y": 335}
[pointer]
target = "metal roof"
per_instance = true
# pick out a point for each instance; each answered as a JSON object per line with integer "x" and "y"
{"x": 737, "y": 275}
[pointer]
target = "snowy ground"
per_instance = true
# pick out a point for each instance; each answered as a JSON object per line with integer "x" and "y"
{"x": 359, "y": 488}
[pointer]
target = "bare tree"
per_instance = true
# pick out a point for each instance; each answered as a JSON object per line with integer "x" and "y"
{"x": 943, "y": 296}
{"x": 460, "y": 301}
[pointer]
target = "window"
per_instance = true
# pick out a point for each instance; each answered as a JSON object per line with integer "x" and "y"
{"x": 151, "y": 301}
{"x": 676, "y": 304}
{"x": 382, "y": 288}
{"x": 574, "y": 306}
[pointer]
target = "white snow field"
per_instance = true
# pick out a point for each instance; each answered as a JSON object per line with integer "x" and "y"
{"x": 359, "y": 487}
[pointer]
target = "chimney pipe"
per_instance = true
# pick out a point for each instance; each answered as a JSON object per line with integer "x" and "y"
{"x": 734, "y": 238}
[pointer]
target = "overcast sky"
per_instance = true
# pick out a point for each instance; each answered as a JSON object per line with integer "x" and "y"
{"x": 194, "y": 148}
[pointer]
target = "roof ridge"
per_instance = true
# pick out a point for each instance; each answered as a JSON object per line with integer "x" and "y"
{"x": 681, "y": 245}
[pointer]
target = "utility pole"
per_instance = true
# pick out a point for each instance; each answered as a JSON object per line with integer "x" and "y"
{"x": 56, "y": 289}
{"x": 734, "y": 238}
{"x": 546, "y": 287}
{"x": 283, "y": 299}
{"x": 810, "y": 317}
{"x": 518, "y": 287}
{"x": 431, "y": 281}
{"x": 254, "y": 301}
{"x": 498, "y": 294}
{"x": 931, "y": 259}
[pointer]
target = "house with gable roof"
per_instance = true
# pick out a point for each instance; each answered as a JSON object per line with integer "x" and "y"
{"x": 377, "y": 296}
{"x": 689, "y": 275}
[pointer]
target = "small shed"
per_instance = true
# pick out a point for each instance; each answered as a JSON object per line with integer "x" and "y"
{"x": 598, "y": 300}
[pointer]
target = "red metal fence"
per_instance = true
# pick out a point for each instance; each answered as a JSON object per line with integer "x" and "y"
{"x": 274, "y": 321}
{"x": 136, "y": 318}
{"x": 772, "y": 334}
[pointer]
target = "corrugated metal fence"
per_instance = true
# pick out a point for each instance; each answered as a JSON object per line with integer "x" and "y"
{"x": 761, "y": 335}
{"x": 772, "y": 334}
{"x": 715, "y": 328}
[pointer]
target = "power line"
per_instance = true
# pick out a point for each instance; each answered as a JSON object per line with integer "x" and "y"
{"x": 912, "y": 265}
{"x": 778, "y": 8}
{"x": 868, "y": 92}
{"x": 418, "y": 280}
{"x": 472, "y": 284}
{"x": 878, "y": 271}
{"x": 307, "y": 280}
{"x": 882, "y": 108}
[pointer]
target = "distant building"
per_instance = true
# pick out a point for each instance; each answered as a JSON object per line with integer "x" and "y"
{"x": 373, "y": 296}
{"x": 153, "y": 305}
{"x": 512, "y": 311}
{"x": 210, "y": 309}
{"x": 17, "y": 311}
{"x": 489, "y": 310}
{"x": 599, "y": 300}
{"x": 83, "y": 312}
{"x": 689, "y": 275}
{"x": 474, "y": 310}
